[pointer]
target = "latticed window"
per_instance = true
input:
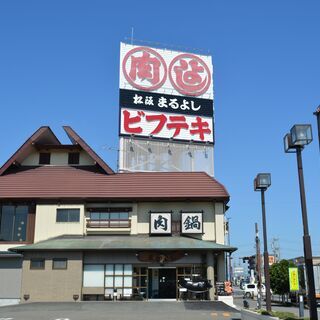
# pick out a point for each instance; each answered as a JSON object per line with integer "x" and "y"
{"x": 108, "y": 218}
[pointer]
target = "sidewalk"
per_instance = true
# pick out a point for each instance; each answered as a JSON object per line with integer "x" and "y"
{"x": 238, "y": 301}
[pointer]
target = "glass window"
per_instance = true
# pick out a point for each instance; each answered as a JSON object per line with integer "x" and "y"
{"x": 109, "y": 270}
{"x": 93, "y": 275}
{"x": 109, "y": 282}
{"x": 127, "y": 270}
{"x": 95, "y": 215}
{"x": 73, "y": 158}
{"x": 124, "y": 215}
{"x": 74, "y": 215}
{"x": 37, "y": 263}
{"x": 127, "y": 281}
{"x": 13, "y": 223}
{"x": 59, "y": 264}
{"x": 127, "y": 292}
{"x": 118, "y": 281}
{"x": 104, "y": 216}
{"x": 44, "y": 157}
{"x": 68, "y": 215}
{"x": 114, "y": 215}
{"x": 109, "y": 218}
{"x": 118, "y": 269}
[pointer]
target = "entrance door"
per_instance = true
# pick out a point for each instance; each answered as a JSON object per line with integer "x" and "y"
{"x": 167, "y": 284}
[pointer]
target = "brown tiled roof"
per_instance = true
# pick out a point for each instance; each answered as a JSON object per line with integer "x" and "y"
{"x": 54, "y": 182}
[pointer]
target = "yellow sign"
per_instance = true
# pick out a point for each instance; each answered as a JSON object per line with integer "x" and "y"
{"x": 294, "y": 279}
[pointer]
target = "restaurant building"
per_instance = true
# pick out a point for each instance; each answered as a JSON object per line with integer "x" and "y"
{"x": 73, "y": 229}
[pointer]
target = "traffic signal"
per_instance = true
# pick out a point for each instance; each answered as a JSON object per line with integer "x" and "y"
{"x": 252, "y": 263}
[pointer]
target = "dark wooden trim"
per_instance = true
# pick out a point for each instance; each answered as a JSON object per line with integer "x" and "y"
{"x": 31, "y": 221}
{"x": 16, "y": 242}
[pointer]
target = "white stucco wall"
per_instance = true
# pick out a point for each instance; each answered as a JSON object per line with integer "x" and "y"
{"x": 213, "y": 218}
{"x": 58, "y": 158}
{"x": 219, "y": 227}
{"x": 46, "y": 226}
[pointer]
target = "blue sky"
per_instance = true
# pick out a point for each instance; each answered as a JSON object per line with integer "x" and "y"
{"x": 59, "y": 65}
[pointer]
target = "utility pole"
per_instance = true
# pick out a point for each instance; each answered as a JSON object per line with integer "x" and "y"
{"x": 258, "y": 266}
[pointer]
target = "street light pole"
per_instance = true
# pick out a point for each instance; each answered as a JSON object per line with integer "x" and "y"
{"x": 265, "y": 252}
{"x": 307, "y": 242}
{"x": 301, "y": 135}
{"x": 261, "y": 183}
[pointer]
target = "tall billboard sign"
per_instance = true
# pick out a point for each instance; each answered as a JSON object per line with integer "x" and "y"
{"x": 165, "y": 95}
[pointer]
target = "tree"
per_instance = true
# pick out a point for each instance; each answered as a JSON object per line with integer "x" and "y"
{"x": 279, "y": 277}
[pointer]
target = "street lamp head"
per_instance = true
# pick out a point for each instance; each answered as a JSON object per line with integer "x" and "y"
{"x": 262, "y": 181}
{"x": 301, "y": 135}
{"x": 288, "y": 146}
{"x": 317, "y": 111}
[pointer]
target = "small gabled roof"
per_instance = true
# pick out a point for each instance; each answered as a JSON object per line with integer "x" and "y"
{"x": 76, "y": 139}
{"x": 44, "y": 135}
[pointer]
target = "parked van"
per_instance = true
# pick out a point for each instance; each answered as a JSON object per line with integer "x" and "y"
{"x": 251, "y": 290}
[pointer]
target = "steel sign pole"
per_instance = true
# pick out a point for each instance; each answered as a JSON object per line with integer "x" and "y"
{"x": 307, "y": 243}
{"x": 265, "y": 253}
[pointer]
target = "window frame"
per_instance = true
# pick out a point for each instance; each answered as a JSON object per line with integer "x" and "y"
{"x": 68, "y": 215}
{"x": 39, "y": 260}
{"x": 74, "y": 156}
{"x": 59, "y": 259}
{"x": 110, "y": 222}
{"x": 46, "y": 156}
{"x": 14, "y": 225}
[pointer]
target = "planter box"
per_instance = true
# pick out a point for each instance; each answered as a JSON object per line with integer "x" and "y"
{"x": 250, "y": 315}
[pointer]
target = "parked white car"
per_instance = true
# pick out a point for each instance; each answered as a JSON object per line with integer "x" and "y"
{"x": 251, "y": 290}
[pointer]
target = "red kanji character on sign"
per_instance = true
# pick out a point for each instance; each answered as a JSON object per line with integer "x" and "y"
{"x": 202, "y": 128}
{"x": 145, "y": 67}
{"x": 161, "y": 118}
{"x": 128, "y": 120}
{"x": 177, "y": 123}
{"x": 189, "y": 75}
